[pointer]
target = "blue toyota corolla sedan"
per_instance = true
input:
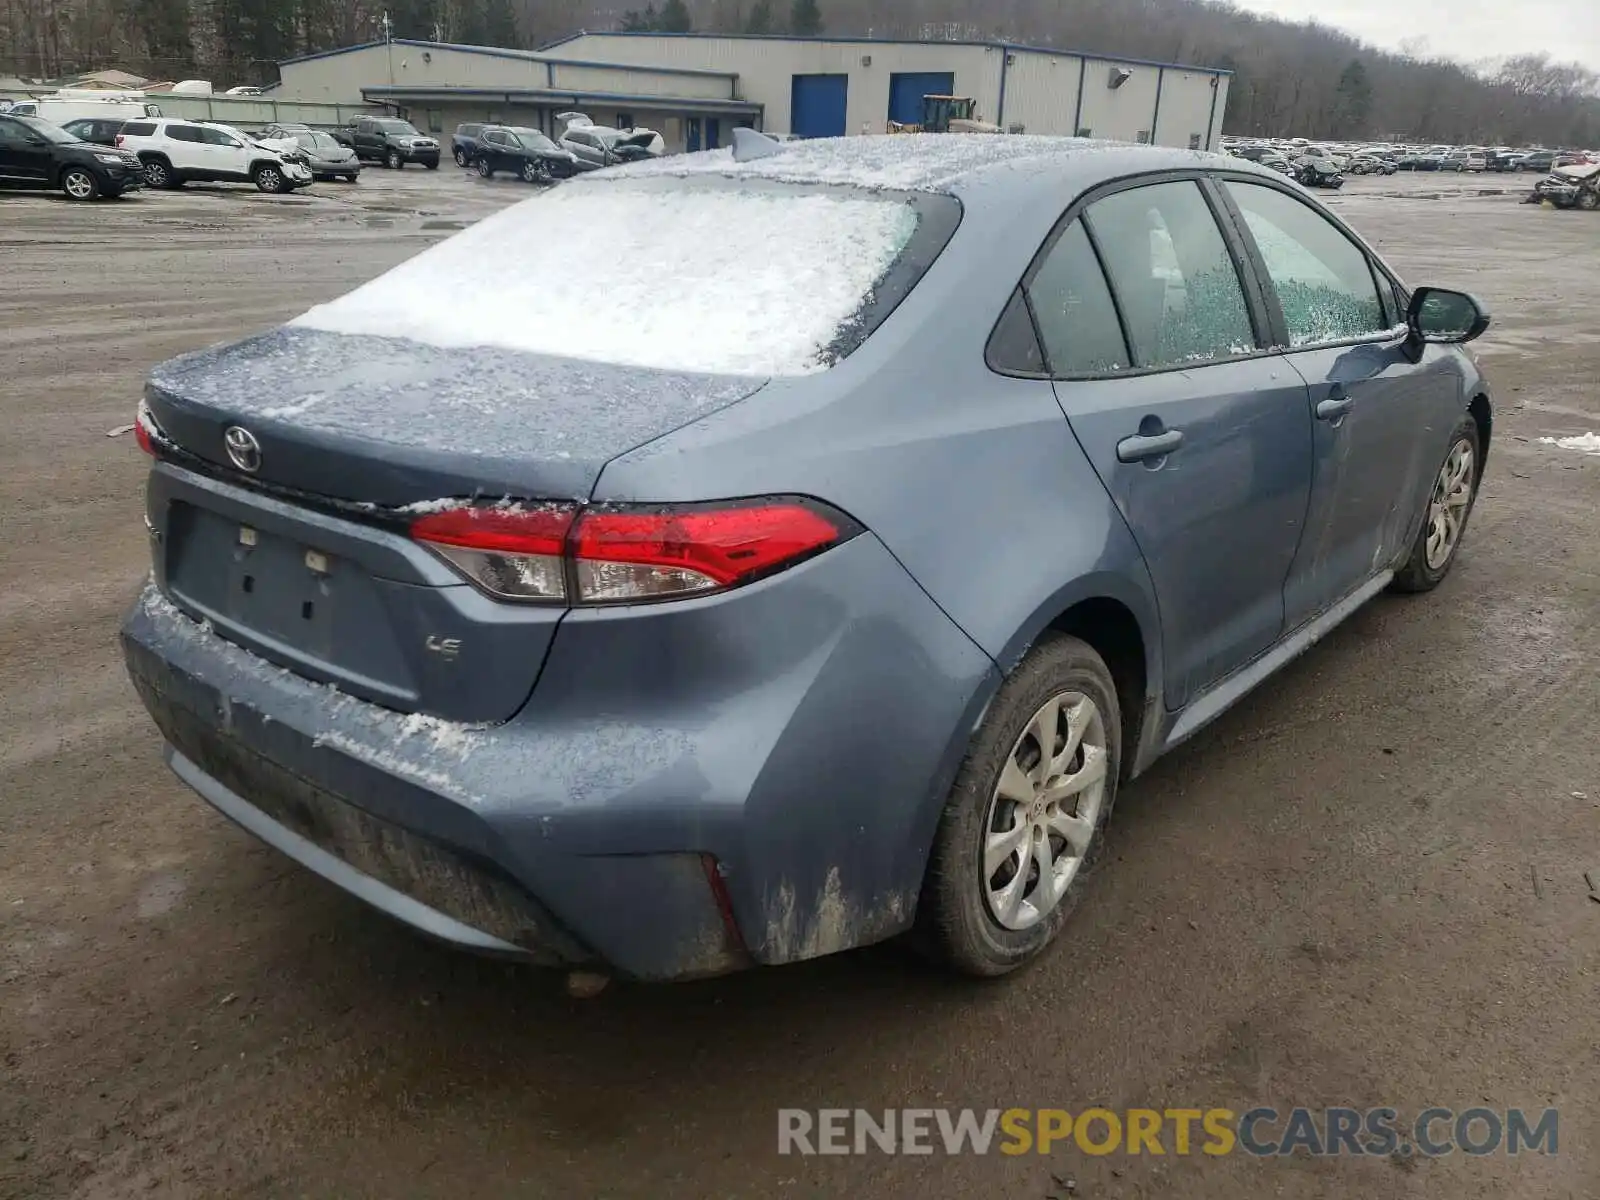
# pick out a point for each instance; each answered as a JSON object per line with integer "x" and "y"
{"x": 735, "y": 558}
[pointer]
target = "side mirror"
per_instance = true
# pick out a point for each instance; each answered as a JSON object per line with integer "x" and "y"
{"x": 1443, "y": 316}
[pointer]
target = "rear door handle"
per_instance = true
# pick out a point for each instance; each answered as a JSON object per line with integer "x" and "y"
{"x": 1143, "y": 446}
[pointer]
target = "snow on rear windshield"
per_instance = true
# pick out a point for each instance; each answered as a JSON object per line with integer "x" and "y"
{"x": 733, "y": 281}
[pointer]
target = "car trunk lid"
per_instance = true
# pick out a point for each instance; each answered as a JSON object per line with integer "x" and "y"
{"x": 305, "y": 558}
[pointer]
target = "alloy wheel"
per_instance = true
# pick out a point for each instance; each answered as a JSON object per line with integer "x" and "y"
{"x": 78, "y": 185}
{"x": 155, "y": 174}
{"x": 268, "y": 180}
{"x": 1045, "y": 810}
{"x": 1447, "y": 508}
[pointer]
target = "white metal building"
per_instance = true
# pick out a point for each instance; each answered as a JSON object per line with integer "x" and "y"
{"x": 830, "y": 86}
{"x": 695, "y": 88}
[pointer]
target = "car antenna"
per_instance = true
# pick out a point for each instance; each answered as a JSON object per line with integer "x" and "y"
{"x": 751, "y": 144}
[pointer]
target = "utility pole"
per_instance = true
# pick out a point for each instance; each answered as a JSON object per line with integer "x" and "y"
{"x": 388, "y": 37}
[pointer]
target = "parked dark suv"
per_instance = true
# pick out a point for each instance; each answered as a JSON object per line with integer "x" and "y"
{"x": 390, "y": 141}
{"x": 35, "y": 153}
{"x": 526, "y": 153}
{"x": 102, "y": 131}
{"x": 464, "y": 145}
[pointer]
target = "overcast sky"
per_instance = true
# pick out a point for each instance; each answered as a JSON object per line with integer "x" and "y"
{"x": 1462, "y": 29}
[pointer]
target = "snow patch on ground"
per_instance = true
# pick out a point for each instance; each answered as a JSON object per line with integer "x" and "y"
{"x": 730, "y": 282}
{"x": 1587, "y": 443}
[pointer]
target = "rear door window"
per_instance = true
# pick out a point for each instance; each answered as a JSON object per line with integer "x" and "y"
{"x": 1324, "y": 281}
{"x": 184, "y": 133}
{"x": 1077, "y": 319}
{"x": 1175, "y": 281}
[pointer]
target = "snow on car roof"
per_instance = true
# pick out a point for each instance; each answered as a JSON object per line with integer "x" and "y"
{"x": 917, "y": 162}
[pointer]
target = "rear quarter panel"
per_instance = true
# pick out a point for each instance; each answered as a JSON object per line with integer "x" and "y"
{"x": 972, "y": 480}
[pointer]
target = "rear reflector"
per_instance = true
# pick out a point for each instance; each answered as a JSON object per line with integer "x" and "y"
{"x": 621, "y": 555}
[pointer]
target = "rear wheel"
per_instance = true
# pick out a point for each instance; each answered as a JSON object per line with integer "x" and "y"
{"x": 1025, "y": 819}
{"x": 1455, "y": 491}
{"x": 158, "y": 173}
{"x": 79, "y": 183}
{"x": 461, "y": 157}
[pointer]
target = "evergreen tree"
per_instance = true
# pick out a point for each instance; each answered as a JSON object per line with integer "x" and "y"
{"x": 760, "y": 19}
{"x": 1353, "y": 100}
{"x": 805, "y": 18}
{"x": 675, "y": 17}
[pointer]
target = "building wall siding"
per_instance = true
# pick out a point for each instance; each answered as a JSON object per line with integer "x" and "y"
{"x": 766, "y": 68}
{"x": 1042, "y": 92}
{"x": 1185, "y": 108}
{"x": 339, "y": 78}
{"x": 1118, "y": 113}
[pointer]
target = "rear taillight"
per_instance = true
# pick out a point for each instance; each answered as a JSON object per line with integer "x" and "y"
{"x": 619, "y": 555}
{"x": 145, "y": 431}
{"x": 119, "y": 141}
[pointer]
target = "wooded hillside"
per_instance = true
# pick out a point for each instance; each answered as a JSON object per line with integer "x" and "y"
{"x": 1306, "y": 80}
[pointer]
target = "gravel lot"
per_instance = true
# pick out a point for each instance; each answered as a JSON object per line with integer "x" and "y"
{"x": 1363, "y": 886}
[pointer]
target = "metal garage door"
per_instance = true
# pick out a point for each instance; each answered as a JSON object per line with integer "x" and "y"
{"x": 907, "y": 88}
{"x": 817, "y": 105}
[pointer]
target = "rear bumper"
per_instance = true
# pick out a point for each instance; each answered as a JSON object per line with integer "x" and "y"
{"x": 797, "y": 738}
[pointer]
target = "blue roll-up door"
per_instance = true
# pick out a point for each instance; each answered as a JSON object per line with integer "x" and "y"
{"x": 907, "y": 88}
{"x": 817, "y": 105}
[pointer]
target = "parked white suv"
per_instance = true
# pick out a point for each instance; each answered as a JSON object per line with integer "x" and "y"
{"x": 175, "y": 152}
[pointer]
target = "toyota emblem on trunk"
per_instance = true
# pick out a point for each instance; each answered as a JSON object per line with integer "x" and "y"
{"x": 243, "y": 448}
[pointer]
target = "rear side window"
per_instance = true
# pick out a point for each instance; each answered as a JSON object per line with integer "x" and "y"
{"x": 1324, "y": 280}
{"x": 723, "y": 276}
{"x": 1014, "y": 346}
{"x": 1174, "y": 279}
{"x": 184, "y": 133}
{"x": 1077, "y": 319}
{"x": 138, "y": 129}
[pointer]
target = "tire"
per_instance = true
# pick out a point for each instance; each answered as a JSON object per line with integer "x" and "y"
{"x": 158, "y": 173}
{"x": 393, "y": 161}
{"x": 269, "y": 178}
{"x": 1589, "y": 201}
{"x": 79, "y": 183}
{"x": 532, "y": 172}
{"x": 349, "y": 178}
{"x": 484, "y": 169}
{"x": 1418, "y": 573}
{"x": 963, "y": 918}
{"x": 461, "y": 157}
{"x": 432, "y": 165}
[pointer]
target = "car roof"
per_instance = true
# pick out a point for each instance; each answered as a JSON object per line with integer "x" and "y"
{"x": 954, "y": 163}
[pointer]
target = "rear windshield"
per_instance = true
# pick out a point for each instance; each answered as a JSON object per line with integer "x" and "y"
{"x": 739, "y": 277}
{"x": 533, "y": 139}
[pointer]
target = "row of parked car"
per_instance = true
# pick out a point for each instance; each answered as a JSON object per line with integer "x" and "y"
{"x": 535, "y": 157}
{"x": 1383, "y": 159}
